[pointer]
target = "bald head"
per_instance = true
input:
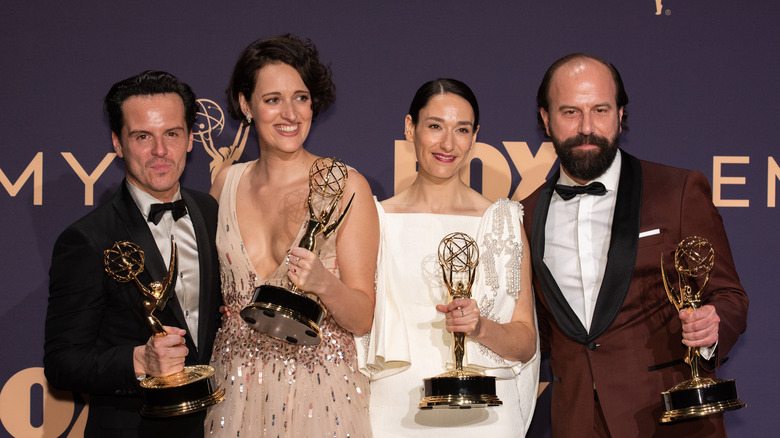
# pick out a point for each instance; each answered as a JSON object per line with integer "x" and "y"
{"x": 582, "y": 116}
{"x": 571, "y": 65}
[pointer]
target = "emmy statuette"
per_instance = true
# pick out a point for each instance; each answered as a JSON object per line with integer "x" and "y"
{"x": 180, "y": 393}
{"x": 694, "y": 258}
{"x": 459, "y": 389}
{"x": 289, "y": 314}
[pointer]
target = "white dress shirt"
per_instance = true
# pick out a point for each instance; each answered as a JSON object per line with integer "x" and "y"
{"x": 183, "y": 233}
{"x": 576, "y": 242}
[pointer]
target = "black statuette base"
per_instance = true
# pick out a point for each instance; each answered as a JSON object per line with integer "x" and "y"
{"x": 180, "y": 394}
{"x": 285, "y": 315}
{"x": 459, "y": 392}
{"x": 696, "y": 398}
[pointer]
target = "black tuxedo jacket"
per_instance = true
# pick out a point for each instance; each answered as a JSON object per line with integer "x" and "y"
{"x": 633, "y": 350}
{"x": 93, "y": 322}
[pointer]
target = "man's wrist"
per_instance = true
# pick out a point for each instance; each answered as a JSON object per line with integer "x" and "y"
{"x": 138, "y": 363}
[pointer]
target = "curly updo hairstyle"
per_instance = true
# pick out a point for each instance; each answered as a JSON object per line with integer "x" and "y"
{"x": 300, "y": 54}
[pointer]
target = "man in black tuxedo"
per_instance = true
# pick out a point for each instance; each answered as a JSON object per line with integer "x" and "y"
{"x": 97, "y": 339}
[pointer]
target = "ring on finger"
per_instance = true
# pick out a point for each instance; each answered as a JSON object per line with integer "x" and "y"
{"x": 461, "y": 313}
{"x": 297, "y": 260}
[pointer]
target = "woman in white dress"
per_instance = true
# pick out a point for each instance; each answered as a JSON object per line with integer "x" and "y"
{"x": 410, "y": 338}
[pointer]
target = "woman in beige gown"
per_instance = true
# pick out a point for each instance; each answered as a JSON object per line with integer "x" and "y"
{"x": 275, "y": 388}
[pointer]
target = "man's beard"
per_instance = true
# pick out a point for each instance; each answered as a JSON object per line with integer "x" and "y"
{"x": 590, "y": 164}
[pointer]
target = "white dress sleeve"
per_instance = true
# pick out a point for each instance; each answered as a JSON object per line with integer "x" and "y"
{"x": 496, "y": 291}
{"x": 384, "y": 350}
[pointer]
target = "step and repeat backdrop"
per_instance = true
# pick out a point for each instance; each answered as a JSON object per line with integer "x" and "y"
{"x": 701, "y": 76}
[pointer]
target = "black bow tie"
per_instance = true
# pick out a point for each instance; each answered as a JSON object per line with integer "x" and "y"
{"x": 568, "y": 192}
{"x": 177, "y": 208}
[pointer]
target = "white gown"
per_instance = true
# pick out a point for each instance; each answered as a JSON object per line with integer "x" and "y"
{"x": 408, "y": 341}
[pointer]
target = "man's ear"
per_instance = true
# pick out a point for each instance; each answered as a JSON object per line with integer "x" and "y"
{"x": 546, "y": 119}
{"x": 117, "y": 145}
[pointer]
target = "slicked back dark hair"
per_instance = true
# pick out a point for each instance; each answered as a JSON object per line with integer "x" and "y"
{"x": 442, "y": 86}
{"x": 543, "y": 95}
{"x": 148, "y": 83}
{"x": 300, "y": 54}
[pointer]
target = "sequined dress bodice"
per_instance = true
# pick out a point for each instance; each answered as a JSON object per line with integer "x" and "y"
{"x": 275, "y": 388}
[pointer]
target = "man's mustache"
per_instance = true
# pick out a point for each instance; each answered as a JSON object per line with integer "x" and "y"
{"x": 582, "y": 139}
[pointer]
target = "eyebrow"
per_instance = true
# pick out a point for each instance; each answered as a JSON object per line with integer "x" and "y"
{"x": 604, "y": 104}
{"x": 279, "y": 93}
{"x": 143, "y": 131}
{"x": 438, "y": 119}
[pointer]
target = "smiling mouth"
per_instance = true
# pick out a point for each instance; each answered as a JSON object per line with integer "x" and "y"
{"x": 444, "y": 158}
{"x": 287, "y": 129}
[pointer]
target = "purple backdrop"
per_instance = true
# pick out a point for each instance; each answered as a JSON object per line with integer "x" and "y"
{"x": 701, "y": 78}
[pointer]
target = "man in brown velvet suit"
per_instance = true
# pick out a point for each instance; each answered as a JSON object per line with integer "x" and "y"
{"x": 615, "y": 340}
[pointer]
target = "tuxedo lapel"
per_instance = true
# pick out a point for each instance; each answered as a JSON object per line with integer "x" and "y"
{"x": 623, "y": 245}
{"x": 206, "y": 261}
{"x": 154, "y": 266}
{"x": 138, "y": 230}
{"x": 621, "y": 257}
{"x": 567, "y": 320}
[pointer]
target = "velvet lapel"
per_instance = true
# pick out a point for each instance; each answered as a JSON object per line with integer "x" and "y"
{"x": 623, "y": 245}
{"x": 621, "y": 257}
{"x": 565, "y": 317}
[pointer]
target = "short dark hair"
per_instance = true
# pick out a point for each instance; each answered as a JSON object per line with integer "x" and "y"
{"x": 442, "y": 86}
{"x": 300, "y": 54}
{"x": 148, "y": 83}
{"x": 543, "y": 95}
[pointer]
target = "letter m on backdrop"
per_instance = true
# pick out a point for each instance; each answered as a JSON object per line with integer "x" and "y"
{"x": 35, "y": 168}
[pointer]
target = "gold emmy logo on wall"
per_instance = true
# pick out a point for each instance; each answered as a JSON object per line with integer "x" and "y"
{"x": 211, "y": 121}
{"x": 659, "y": 8}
